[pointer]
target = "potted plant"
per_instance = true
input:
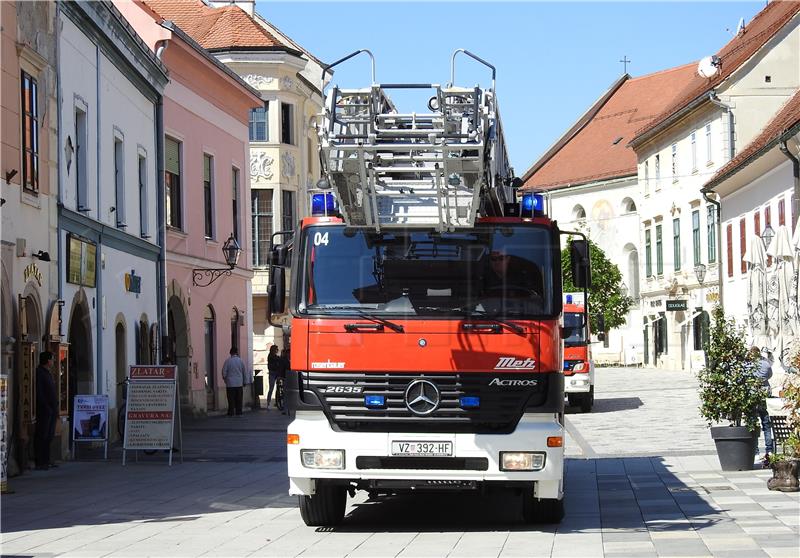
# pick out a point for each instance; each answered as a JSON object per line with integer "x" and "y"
{"x": 731, "y": 393}
{"x": 785, "y": 465}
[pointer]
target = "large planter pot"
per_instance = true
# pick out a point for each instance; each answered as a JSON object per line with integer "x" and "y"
{"x": 736, "y": 447}
{"x": 784, "y": 476}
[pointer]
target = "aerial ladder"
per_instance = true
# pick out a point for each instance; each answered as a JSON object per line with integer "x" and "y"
{"x": 442, "y": 168}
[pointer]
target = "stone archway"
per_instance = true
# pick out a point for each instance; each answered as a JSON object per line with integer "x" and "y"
{"x": 179, "y": 351}
{"x": 79, "y": 336}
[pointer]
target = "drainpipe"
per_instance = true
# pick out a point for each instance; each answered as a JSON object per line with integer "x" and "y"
{"x": 719, "y": 239}
{"x": 99, "y": 307}
{"x": 59, "y": 162}
{"x": 161, "y": 197}
{"x": 727, "y": 108}
{"x": 796, "y": 173}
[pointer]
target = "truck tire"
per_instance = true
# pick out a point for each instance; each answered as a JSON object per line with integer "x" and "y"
{"x": 587, "y": 401}
{"x": 325, "y": 508}
{"x": 544, "y": 510}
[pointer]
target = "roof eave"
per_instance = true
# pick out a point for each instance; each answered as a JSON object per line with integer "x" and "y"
{"x": 277, "y": 48}
{"x": 647, "y": 135}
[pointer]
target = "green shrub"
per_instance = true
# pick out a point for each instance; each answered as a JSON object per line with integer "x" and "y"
{"x": 729, "y": 390}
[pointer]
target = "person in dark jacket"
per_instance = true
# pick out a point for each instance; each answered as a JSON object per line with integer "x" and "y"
{"x": 274, "y": 366}
{"x": 46, "y": 411}
{"x": 764, "y": 373}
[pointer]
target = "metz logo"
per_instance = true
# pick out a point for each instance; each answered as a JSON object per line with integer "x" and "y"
{"x": 511, "y": 363}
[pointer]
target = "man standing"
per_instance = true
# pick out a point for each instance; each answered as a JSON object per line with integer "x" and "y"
{"x": 46, "y": 411}
{"x": 764, "y": 373}
{"x": 234, "y": 374}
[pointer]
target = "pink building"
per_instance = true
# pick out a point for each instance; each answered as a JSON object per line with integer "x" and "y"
{"x": 206, "y": 166}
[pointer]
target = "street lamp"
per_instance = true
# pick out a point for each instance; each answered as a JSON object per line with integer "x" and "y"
{"x": 231, "y": 251}
{"x": 767, "y": 235}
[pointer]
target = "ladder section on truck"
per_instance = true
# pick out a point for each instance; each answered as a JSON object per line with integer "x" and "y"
{"x": 426, "y": 169}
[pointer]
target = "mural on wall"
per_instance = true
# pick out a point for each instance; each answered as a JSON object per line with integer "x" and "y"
{"x": 602, "y": 223}
{"x": 287, "y": 165}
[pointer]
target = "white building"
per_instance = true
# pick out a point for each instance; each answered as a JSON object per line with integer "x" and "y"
{"x": 760, "y": 188}
{"x": 590, "y": 176}
{"x": 747, "y": 82}
{"x": 110, "y": 216}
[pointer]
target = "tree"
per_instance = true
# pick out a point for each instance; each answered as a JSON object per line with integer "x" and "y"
{"x": 605, "y": 295}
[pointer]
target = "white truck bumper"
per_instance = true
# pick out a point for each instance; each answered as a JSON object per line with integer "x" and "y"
{"x": 531, "y": 434}
{"x": 578, "y": 383}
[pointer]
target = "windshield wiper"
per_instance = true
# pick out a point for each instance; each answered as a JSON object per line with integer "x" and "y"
{"x": 484, "y": 316}
{"x": 372, "y": 317}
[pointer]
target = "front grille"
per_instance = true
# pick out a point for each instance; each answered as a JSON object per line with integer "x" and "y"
{"x": 501, "y": 406}
{"x": 424, "y": 463}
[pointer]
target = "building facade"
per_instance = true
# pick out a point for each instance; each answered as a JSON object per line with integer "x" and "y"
{"x": 30, "y": 259}
{"x": 747, "y": 81}
{"x": 206, "y": 111}
{"x": 112, "y": 279}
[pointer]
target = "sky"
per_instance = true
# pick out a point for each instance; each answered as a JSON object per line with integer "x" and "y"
{"x": 553, "y": 59}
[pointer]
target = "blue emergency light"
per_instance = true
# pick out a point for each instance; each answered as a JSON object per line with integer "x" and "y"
{"x": 470, "y": 402}
{"x": 374, "y": 401}
{"x": 532, "y": 205}
{"x": 323, "y": 204}
{"x": 569, "y": 299}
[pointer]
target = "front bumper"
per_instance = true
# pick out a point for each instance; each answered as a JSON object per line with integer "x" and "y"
{"x": 577, "y": 383}
{"x": 531, "y": 434}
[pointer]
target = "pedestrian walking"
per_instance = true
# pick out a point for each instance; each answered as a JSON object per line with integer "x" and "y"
{"x": 764, "y": 373}
{"x": 46, "y": 411}
{"x": 234, "y": 375}
{"x": 274, "y": 365}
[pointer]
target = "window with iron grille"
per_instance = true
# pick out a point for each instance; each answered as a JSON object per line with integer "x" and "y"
{"x": 262, "y": 225}
{"x": 30, "y": 134}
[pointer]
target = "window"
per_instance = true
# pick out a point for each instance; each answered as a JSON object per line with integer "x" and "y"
{"x": 729, "y": 235}
{"x": 694, "y": 151}
{"x": 208, "y": 198}
{"x": 711, "y": 233}
{"x": 658, "y": 172}
{"x": 30, "y": 134}
{"x": 235, "y": 201}
{"x": 287, "y": 118}
{"x": 119, "y": 183}
{"x": 659, "y": 252}
{"x": 768, "y": 222}
{"x": 660, "y": 327}
{"x": 647, "y": 177}
{"x": 81, "y": 139}
{"x": 676, "y": 243}
{"x": 172, "y": 180}
{"x": 235, "y": 321}
{"x": 743, "y": 243}
{"x": 674, "y": 162}
{"x": 287, "y": 208}
{"x": 757, "y": 223}
{"x": 262, "y": 225}
{"x": 259, "y": 123}
{"x": 144, "y": 230}
{"x": 702, "y": 328}
{"x": 696, "y": 236}
{"x": 648, "y": 260}
{"x": 708, "y": 142}
{"x": 781, "y": 212}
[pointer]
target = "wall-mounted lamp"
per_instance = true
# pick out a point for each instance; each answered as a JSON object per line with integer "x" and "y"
{"x": 42, "y": 255}
{"x": 231, "y": 251}
{"x": 11, "y": 174}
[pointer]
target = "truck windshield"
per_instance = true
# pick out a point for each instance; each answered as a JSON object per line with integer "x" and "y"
{"x": 574, "y": 330}
{"x": 492, "y": 270}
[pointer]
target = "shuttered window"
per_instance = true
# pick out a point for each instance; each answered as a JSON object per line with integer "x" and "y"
{"x": 757, "y": 223}
{"x": 172, "y": 182}
{"x": 781, "y": 212}
{"x": 743, "y": 243}
{"x": 729, "y": 234}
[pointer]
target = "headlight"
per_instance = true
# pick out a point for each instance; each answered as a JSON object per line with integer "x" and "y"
{"x": 579, "y": 367}
{"x": 322, "y": 459}
{"x": 521, "y": 461}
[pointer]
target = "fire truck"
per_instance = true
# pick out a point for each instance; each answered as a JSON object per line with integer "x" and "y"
{"x": 425, "y": 297}
{"x": 578, "y": 363}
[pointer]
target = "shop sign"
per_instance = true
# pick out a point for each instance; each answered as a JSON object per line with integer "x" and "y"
{"x": 4, "y": 427}
{"x": 32, "y": 271}
{"x": 712, "y": 297}
{"x": 676, "y": 305}
{"x": 81, "y": 260}
{"x": 150, "y": 408}
{"x": 133, "y": 282}
{"x": 90, "y": 418}
{"x": 656, "y": 303}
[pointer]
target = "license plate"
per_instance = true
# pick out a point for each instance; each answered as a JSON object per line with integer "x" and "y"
{"x": 430, "y": 449}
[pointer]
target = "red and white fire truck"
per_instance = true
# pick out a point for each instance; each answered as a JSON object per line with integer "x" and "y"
{"x": 578, "y": 363}
{"x": 426, "y": 310}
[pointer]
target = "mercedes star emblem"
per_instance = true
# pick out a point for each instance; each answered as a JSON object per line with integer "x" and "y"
{"x": 422, "y": 397}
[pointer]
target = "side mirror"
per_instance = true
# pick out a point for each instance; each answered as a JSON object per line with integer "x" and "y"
{"x": 276, "y": 290}
{"x": 600, "y": 320}
{"x": 580, "y": 264}
{"x": 278, "y": 255}
{"x": 601, "y": 336}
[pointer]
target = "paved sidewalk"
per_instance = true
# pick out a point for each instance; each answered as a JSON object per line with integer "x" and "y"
{"x": 229, "y": 498}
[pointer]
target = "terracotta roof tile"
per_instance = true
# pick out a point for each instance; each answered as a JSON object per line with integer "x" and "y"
{"x": 598, "y": 150}
{"x": 733, "y": 55}
{"x": 785, "y": 119}
{"x": 215, "y": 28}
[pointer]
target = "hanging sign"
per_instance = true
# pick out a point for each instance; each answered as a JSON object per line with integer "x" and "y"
{"x": 150, "y": 413}
{"x": 676, "y": 305}
{"x": 90, "y": 418}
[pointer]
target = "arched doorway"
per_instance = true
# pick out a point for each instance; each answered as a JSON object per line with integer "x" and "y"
{"x": 121, "y": 359}
{"x": 235, "y": 328}
{"x": 178, "y": 350}
{"x": 29, "y": 344}
{"x": 209, "y": 320}
{"x": 79, "y": 337}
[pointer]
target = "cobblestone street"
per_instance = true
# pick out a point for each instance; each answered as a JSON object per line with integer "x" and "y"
{"x": 642, "y": 480}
